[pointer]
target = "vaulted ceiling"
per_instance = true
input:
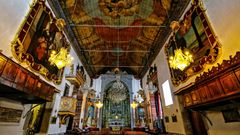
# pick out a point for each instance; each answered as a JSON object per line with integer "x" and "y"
{"x": 124, "y": 34}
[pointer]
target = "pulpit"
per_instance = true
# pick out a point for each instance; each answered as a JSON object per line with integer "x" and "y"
{"x": 67, "y": 108}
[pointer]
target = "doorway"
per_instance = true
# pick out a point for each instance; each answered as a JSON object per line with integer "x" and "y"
{"x": 70, "y": 123}
{"x": 197, "y": 123}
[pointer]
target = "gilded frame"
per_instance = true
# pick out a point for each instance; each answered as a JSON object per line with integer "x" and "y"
{"x": 36, "y": 38}
{"x": 196, "y": 35}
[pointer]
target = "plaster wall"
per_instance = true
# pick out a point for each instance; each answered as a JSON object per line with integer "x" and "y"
{"x": 13, "y": 128}
{"x": 11, "y": 17}
{"x": 170, "y": 110}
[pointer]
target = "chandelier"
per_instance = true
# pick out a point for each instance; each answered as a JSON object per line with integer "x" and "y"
{"x": 60, "y": 59}
{"x": 117, "y": 92}
{"x": 181, "y": 59}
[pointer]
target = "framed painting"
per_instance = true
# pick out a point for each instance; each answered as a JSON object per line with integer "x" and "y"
{"x": 9, "y": 115}
{"x": 40, "y": 34}
{"x": 196, "y": 36}
{"x": 231, "y": 115}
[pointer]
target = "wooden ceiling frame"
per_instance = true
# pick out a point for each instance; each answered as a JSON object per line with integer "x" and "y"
{"x": 177, "y": 9}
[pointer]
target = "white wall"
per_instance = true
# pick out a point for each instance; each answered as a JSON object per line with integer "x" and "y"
{"x": 135, "y": 86}
{"x": 13, "y": 128}
{"x": 11, "y": 17}
{"x": 225, "y": 19}
{"x": 55, "y": 128}
{"x": 219, "y": 127}
{"x": 174, "y": 109}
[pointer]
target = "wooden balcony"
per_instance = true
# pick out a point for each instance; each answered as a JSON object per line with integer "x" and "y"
{"x": 218, "y": 86}
{"x": 18, "y": 83}
{"x": 77, "y": 79}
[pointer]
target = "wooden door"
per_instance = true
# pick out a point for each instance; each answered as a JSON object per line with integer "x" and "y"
{"x": 198, "y": 126}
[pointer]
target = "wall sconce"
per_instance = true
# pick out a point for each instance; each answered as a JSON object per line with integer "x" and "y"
{"x": 99, "y": 104}
{"x": 134, "y": 104}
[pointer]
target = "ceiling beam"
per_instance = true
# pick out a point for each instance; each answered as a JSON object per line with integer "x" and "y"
{"x": 117, "y": 51}
{"x": 117, "y": 26}
{"x": 100, "y": 66}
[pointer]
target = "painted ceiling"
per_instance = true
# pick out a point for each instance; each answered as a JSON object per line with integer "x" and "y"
{"x": 124, "y": 34}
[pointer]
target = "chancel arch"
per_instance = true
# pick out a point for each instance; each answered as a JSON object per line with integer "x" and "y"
{"x": 107, "y": 82}
{"x": 116, "y": 106}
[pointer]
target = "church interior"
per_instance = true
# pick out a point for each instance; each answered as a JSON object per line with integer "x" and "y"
{"x": 120, "y": 67}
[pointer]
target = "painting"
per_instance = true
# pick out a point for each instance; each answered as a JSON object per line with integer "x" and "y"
{"x": 166, "y": 119}
{"x": 10, "y": 115}
{"x": 196, "y": 36}
{"x": 231, "y": 115}
{"x": 174, "y": 118}
{"x": 38, "y": 36}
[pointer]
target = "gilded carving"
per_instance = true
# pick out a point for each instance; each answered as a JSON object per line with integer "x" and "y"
{"x": 195, "y": 36}
{"x": 38, "y": 35}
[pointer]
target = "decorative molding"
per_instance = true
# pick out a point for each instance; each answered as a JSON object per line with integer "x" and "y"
{"x": 206, "y": 47}
{"x": 36, "y": 38}
{"x": 67, "y": 108}
{"x": 219, "y": 84}
{"x": 232, "y": 63}
{"x": 77, "y": 80}
{"x": 26, "y": 86}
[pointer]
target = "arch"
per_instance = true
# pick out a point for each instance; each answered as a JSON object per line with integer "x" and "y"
{"x": 116, "y": 114}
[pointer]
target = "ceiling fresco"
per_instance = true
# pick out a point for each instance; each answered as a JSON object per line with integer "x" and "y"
{"x": 126, "y": 34}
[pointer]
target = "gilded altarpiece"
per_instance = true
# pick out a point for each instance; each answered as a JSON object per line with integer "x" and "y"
{"x": 196, "y": 36}
{"x": 116, "y": 114}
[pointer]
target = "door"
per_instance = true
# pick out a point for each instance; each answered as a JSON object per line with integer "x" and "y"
{"x": 197, "y": 123}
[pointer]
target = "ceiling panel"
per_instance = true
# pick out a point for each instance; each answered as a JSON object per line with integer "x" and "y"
{"x": 125, "y": 34}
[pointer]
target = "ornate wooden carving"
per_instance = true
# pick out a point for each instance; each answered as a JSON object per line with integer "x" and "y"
{"x": 39, "y": 34}
{"x": 77, "y": 79}
{"x": 67, "y": 108}
{"x": 20, "y": 79}
{"x": 218, "y": 84}
{"x": 127, "y": 47}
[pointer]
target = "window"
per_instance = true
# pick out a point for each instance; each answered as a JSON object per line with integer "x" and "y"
{"x": 66, "y": 90}
{"x": 167, "y": 93}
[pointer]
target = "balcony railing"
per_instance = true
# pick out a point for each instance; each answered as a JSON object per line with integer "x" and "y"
{"x": 20, "y": 84}
{"x": 77, "y": 79}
